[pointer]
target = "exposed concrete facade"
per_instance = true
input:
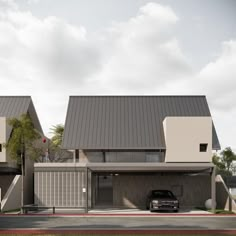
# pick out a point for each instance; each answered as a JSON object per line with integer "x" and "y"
{"x": 191, "y": 191}
{"x": 183, "y": 136}
{"x": 5, "y": 182}
{"x": 224, "y": 199}
{"x": 11, "y": 188}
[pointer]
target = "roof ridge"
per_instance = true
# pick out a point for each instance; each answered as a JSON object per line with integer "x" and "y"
{"x": 16, "y": 96}
{"x": 137, "y": 96}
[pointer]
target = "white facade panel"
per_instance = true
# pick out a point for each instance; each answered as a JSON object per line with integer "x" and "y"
{"x": 183, "y": 137}
{"x": 3, "y": 157}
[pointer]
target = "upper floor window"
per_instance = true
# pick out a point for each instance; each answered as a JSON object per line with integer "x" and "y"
{"x": 203, "y": 147}
{"x": 0, "y": 147}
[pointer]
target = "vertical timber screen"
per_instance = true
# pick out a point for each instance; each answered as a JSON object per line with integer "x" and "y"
{"x": 60, "y": 188}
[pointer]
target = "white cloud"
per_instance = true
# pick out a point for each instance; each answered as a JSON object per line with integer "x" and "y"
{"x": 7, "y": 5}
{"x": 217, "y": 78}
{"x": 33, "y": 1}
{"x": 48, "y": 49}
{"x": 51, "y": 59}
{"x": 144, "y": 52}
{"x": 45, "y": 58}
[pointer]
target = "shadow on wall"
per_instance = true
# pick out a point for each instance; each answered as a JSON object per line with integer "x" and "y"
{"x": 131, "y": 190}
{"x": 224, "y": 199}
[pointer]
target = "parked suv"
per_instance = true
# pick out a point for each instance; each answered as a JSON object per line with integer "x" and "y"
{"x": 162, "y": 200}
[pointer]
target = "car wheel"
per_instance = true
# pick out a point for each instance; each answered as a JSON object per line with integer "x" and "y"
{"x": 176, "y": 211}
{"x": 150, "y": 207}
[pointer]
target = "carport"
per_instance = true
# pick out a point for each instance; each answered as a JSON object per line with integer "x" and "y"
{"x": 126, "y": 184}
{"x": 121, "y": 185}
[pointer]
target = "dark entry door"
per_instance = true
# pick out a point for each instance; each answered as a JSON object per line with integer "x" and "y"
{"x": 104, "y": 190}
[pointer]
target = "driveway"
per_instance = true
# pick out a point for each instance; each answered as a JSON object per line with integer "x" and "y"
{"x": 146, "y": 212}
{"x": 118, "y": 211}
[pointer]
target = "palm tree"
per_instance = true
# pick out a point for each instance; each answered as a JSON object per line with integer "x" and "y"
{"x": 57, "y": 131}
{"x": 58, "y": 154}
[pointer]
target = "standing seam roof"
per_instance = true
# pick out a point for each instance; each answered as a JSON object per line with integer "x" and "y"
{"x": 15, "y": 106}
{"x": 126, "y": 122}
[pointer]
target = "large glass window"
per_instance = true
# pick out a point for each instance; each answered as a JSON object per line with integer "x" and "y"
{"x": 110, "y": 156}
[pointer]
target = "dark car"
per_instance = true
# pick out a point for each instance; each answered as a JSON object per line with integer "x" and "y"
{"x": 162, "y": 200}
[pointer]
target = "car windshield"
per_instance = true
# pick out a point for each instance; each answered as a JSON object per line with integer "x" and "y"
{"x": 162, "y": 194}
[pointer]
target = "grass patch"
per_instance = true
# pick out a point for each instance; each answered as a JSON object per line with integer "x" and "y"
{"x": 11, "y": 211}
{"x": 217, "y": 211}
{"x": 221, "y": 211}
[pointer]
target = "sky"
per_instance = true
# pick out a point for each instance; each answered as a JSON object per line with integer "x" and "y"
{"x": 51, "y": 49}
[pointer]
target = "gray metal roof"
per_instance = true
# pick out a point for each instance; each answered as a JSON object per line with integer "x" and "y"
{"x": 15, "y": 106}
{"x": 126, "y": 122}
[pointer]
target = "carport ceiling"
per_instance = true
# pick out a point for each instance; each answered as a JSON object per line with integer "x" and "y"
{"x": 151, "y": 167}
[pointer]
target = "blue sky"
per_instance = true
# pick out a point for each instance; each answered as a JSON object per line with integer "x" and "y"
{"x": 51, "y": 49}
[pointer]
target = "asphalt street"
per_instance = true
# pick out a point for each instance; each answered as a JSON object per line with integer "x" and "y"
{"x": 114, "y": 222}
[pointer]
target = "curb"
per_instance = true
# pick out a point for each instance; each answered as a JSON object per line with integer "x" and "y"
{"x": 118, "y": 231}
{"x": 116, "y": 215}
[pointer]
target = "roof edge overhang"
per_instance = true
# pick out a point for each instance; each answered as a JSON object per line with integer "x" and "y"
{"x": 128, "y": 167}
{"x": 159, "y": 167}
{"x": 9, "y": 168}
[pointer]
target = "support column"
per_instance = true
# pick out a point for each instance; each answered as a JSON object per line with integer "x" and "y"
{"x": 87, "y": 192}
{"x": 76, "y": 155}
{"x": 213, "y": 189}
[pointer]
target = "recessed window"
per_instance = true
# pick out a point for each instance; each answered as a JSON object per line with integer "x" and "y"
{"x": 203, "y": 147}
{"x": 0, "y": 147}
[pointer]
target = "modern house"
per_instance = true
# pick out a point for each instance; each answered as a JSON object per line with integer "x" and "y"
{"x": 10, "y": 171}
{"x": 124, "y": 146}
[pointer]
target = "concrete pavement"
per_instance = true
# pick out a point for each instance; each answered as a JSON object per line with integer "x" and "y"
{"x": 90, "y": 222}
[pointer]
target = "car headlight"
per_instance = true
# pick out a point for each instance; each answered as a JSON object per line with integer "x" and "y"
{"x": 155, "y": 201}
{"x": 176, "y": 201}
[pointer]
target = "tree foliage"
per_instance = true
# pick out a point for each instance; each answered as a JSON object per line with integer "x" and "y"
{"x": 56, "y": 153}
{"x": 22, "y": 139}
{"x": 224, "y": 161}
{"x": 57, "y": 131}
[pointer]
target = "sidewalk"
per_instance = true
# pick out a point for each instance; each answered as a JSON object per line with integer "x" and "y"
{"x": 113, "y": 212}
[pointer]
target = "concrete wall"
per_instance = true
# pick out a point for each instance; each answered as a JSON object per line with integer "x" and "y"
{"x": 3, "y": 138}
{"x": 12, "y": 198}
{"x": 11, "y": 188}
{"x": 29, "y": 181}
{"x": 183, "y": 136}
{"x": 224, "y": 199}
{"x": 131, "y": 190}
{"x": 5, "y": 182}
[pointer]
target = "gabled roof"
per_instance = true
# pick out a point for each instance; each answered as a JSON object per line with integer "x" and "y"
{"x": 126, "y": 122}
{"x": 15, "y": 106}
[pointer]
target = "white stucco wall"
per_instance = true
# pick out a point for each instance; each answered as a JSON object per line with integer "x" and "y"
{"x": 3, "y": 138}
{"x": 183, "y": 136}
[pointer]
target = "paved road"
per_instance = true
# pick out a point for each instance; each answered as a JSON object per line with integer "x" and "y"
{"x": 114, "y": 222}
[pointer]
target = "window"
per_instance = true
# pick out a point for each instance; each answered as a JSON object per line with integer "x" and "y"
{"x": 0, "y": 147}
{"x": 203, "y": 147}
